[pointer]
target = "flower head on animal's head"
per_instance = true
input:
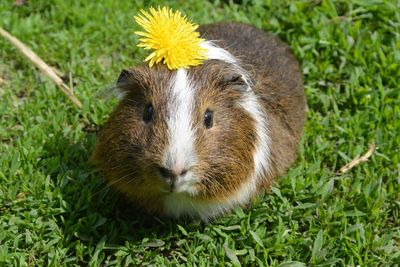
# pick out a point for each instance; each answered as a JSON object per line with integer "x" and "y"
{"x": 172, "y": 38}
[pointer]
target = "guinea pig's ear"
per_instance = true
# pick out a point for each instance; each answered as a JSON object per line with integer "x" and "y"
{"x": 236, "y": 81}
{"x": 128, "y": 77}
{"x": 123, "y": 77}
{"x": 127, "y": 80}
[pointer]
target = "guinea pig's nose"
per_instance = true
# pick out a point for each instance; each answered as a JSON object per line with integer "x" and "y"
{"x": 172, "y": 174}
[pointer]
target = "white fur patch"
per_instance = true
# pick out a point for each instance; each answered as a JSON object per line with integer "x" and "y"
{"x": 178, "y": 205}
{"x": 181, "y": 153}
{"x": 215, "y": 52}
{"x": 262, "y": 155}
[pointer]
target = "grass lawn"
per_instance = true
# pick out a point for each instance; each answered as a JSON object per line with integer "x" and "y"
{"x": 54, "y": 210}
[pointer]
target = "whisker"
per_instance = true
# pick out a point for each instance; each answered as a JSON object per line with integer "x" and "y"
{"x": 109, "y": 184}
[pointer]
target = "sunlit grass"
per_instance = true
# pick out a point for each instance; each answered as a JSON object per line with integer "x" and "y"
{"x": 53, "y": 210}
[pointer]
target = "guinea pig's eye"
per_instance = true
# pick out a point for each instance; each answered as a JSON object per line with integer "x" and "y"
{"x": 148, "y": 113}
{"x": 208, "y": 119}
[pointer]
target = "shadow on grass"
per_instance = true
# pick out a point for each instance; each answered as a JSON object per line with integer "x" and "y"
{"x": 89, "y": 210}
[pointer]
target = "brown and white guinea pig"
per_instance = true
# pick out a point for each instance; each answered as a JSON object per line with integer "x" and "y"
{"x": 197, "y": 142}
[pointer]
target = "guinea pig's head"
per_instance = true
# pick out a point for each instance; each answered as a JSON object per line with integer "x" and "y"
{"x": 189, "y": 142}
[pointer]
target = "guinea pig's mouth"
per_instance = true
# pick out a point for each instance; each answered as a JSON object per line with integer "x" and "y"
{"x": 179, "y": 185}
{"x": 170, "y": 185}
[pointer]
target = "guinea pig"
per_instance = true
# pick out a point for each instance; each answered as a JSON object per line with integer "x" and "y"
{"x": 199, "y": 141}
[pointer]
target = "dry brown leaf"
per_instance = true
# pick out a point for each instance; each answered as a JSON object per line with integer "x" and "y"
{"x": 357, "y": 160}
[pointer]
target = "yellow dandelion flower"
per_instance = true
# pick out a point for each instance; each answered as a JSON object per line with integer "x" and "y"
{"x": 173, "y": 38}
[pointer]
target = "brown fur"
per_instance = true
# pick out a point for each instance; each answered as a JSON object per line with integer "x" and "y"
{"x": 129, "y": 151}
{"x": 278, "y": 83}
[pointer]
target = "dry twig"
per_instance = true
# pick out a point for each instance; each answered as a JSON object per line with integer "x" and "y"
{"x": 46, "y": 69}
{"x": 357, "y": 160}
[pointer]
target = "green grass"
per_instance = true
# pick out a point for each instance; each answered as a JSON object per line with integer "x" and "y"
{"x": 53, "y": 211}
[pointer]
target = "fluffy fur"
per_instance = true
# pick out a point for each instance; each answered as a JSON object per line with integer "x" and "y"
{"x": 253, "y": 85}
